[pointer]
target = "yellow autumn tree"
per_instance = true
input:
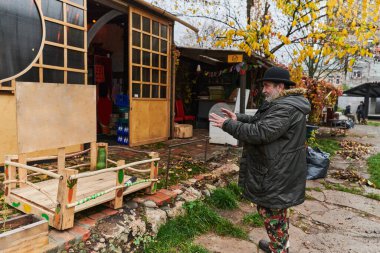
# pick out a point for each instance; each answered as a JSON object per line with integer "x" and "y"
{"x": 314, "y": 33}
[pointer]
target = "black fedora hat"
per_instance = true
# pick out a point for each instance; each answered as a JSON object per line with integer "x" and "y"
{"x": 277, "y": 75}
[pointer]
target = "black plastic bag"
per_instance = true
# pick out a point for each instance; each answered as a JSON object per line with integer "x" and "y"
{"x": 317, "y": 163}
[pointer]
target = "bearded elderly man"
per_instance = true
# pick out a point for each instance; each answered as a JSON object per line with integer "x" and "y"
{"x": 273, "y": 165}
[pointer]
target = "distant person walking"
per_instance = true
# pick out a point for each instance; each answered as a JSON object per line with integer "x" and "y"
{"x": 348, "y": 113}
{"x": 360, "y": 112}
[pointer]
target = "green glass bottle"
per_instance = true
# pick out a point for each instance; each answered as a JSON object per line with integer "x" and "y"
{"x": 101, "y": 162}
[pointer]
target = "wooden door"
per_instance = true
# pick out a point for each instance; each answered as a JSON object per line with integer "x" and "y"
{"x": 149, "y": 78}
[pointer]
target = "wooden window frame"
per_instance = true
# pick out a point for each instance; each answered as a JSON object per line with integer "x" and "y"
{"x": 40, "y": 64}
{"x": 141, "y": 49}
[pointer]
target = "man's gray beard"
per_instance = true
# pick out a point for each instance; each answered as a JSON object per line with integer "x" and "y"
{"x": 273, "y": 96}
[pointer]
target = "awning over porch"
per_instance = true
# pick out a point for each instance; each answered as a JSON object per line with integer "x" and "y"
{"x": 365, "y": 90}
{"x": 216, "y": 57}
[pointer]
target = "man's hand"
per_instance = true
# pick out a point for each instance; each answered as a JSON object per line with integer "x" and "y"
{"x": 229, "y": 114}
{"x": 217, "y": 120}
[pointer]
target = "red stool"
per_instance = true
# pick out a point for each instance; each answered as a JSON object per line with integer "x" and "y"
{"x": 180, "y": 115}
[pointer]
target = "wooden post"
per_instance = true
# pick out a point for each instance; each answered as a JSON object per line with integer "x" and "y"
{"x": 93, "y": 155}
{"x": 10, "y": 173}
{"x": 153, "y": 173}
{"x": 118, "y": 201}
{"x": 366, "y": 104}
{"x": 61, "y": 160}
{"x": 22, "y": 173}
{"x": 67, "y": 189}
{"x": 243, "y": 86}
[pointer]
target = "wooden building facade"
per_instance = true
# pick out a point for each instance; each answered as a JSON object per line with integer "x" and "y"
{"x": 55, "y": 95}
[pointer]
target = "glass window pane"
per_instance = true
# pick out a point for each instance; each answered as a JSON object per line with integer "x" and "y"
{"x": 53, "y": 55}
{"x": 75, "y": 37}
{"x": 146, "y": 41}
{"x": 74, "y": 15}
{"x": 75, "y": 59}
{"x": 53, "y": 76}
{"x": 155, "y": 76}
{"x": 52, "y": 9}
{"x": 163, "y": 77}
{"x": 164, "y": 31}
{"x": 163, "y": 61}
{"x": 136, "y": 73}
{"x": 146, "y": 58}
{"x": 155, "y": 44}
{"x": 136, "y": 90}
{"x": 54, "y": 32}
{"x": 146, "y": 24}
{"x": 155, "y": 28}
{"x": 80, "y": 2}
{"x": 136, "y": 39}
{"x": 31, "y": 76}
{"x": 155, "y": 91}
{"x": 146, "y": 91}
{"x": 20, "y": 36}
{"x": 75, "y": 78}
{"x": 163, "y": 92}
{"x": 155, "y": 60}
{"x": 136, "y": 21}
{"x": 146, "y": 75}
{"x": 136, "y": 56}
{"x": 164, "y": 46}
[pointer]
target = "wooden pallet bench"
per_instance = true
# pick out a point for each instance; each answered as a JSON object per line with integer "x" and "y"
{"x": 69, "y": 192}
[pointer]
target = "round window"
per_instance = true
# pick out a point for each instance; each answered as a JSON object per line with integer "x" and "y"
{"x": 21, "y": 37}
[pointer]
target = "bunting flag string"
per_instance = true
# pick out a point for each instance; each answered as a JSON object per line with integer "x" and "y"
{"x": 241, "y": 68}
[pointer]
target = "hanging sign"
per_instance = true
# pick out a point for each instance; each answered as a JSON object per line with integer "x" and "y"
{"x": 235, "y": 58}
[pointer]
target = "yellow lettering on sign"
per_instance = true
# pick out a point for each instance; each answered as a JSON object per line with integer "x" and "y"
{"x": 235, "y": 58}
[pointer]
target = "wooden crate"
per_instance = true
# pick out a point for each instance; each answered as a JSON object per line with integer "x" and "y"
{"x": 28, "y": 233}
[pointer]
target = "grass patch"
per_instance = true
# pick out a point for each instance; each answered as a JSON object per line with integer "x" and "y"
{"x": 235, "y": 189}
{"x": 357, "y": 191}
{"x": 327, "y": 145}
{"x": 223, "y": 198}
{"x": 373, "y": 196}
{"x": 317, "y": 189}
{"x": 338, "y": 187}
{"x": 253, "y": 219}
{"x": 374, "y": 169}
{"x": 373, "y": 123}
{"x": 176, "y": 235}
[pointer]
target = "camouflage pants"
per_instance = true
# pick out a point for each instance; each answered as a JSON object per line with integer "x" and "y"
{"x": 276, "y": 223}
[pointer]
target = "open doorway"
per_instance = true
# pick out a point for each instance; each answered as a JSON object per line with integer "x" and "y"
{"x": 129, "y": 60}
{"x": 106, "y": 70}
